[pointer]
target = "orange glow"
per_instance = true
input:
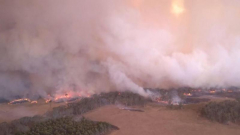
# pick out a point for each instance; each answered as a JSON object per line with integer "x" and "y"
{"x": 187, "y": 94}
{"x": 48, "y": 100}
{"x": 159, "y": 100}
{"x": 163, "y": 102}
{"x": 34, "y": 102}
{"x": 212, "y": 91}
{"x": 66, "y": 97}
{"x": 178, "y": 7}
{"x": 20, "y": 100}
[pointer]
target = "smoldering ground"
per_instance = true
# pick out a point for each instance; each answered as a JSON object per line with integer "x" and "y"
{"x": 54, "y": 46}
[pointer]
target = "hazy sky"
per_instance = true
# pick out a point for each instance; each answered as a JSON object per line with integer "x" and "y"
{"x": 91, "y": 46}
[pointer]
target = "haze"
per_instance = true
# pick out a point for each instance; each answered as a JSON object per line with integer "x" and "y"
{"x": 93, "y": 46}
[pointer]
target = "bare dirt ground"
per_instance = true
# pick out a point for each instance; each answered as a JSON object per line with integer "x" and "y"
{"x": 157, "y": 120}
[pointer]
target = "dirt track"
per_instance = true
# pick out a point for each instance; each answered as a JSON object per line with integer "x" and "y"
{"x": 160, "y": 121}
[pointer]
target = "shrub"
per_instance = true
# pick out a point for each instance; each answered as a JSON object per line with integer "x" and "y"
{"x": 67, "y": 126}
{"x": 238, "y": 99}
{"x": 88, "y": 104}
{"x": 222, "y": 111}
{"x": 24, "y": 124}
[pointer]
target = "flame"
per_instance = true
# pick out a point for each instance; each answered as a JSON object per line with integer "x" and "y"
{"x": 55, "y": 98}
{"x": 67, "y": 96}
{"x": 159, "y": 100}
{"x": 34, "y": 102}
{"x": 212, "y": 91}
{"x": 20, "y": 100}
{"x": 48, "y": 100}
{"x": 178, "y": 7}
{"x": 229, "y": 91}
{"x": 163, "y": 102}
{"x": 187, "y": 94}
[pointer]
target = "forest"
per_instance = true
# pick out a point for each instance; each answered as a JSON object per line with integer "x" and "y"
{"x": 68, "y": 126}
{"x": 223, "y": 112}
{"x": 62, "y": 118}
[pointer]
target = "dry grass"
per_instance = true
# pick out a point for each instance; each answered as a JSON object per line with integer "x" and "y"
{"x": 154, "y": 120}
{"x": 12, "y": 112}
{"x": 159, "y": 120}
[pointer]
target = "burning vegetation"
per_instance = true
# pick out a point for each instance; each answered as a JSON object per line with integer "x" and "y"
{"x": 57, "y": 99}
{"x": 22, "y": 100}
{"x": 95, "y": 101}
{"x": 62, "y": 115}
{"x": 162, "y": 96}
{"x": 70, "y": 51}
{"x": 34, "y": 102}
{"x": 187, "y": 94}
{"x": 51, "y": 122}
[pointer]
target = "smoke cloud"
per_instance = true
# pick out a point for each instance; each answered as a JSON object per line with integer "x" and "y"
{"x": 92, "y": 46}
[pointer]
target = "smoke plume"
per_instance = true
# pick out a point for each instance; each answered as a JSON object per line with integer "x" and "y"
{"x": 92, "y": 46}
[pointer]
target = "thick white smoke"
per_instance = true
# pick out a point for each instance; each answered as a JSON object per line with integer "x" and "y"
{"x": 54, "y": 46}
